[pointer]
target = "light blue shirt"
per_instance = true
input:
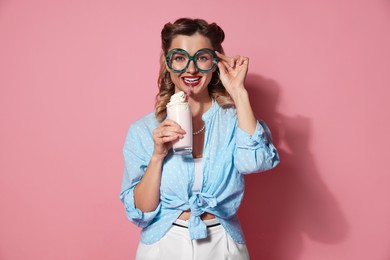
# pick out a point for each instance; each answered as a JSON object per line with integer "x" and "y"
{"x": 228, "y": 153}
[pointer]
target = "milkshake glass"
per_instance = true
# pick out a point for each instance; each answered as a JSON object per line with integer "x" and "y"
{"x": 179, "y": 111}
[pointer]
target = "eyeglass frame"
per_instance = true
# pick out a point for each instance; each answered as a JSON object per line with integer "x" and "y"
{"x": 191, "y": 58}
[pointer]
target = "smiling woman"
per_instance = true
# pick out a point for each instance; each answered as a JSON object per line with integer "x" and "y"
{"x": 184, "y": 70}
{"x": 191, "y": 201}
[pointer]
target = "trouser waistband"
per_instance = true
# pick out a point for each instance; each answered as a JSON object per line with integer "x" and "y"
{"x": 184, "y": 223}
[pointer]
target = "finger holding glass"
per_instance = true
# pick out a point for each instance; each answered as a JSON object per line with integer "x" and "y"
{"x": 165, "y": 135}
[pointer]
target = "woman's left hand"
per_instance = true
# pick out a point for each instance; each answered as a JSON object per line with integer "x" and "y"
{"x": 233, "y": 72}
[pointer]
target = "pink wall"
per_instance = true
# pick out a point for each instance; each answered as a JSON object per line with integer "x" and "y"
{"x": 74, "y": 74}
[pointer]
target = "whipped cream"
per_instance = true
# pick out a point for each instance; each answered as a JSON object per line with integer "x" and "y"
{"x": 177, "y": 98}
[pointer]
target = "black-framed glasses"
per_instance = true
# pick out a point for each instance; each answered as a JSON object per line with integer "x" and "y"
{"x": 204, "y": 60}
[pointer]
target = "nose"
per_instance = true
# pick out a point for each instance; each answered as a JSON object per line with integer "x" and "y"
{"x": 191, "y": 67}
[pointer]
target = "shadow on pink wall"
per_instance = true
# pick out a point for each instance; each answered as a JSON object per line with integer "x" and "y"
{"x": 283, "y": 205}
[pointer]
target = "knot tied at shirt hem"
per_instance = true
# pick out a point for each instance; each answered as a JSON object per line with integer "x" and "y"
{"x": 198, "y": 203}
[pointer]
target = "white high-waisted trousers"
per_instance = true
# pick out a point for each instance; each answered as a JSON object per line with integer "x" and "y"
{"x": 177, "y": 245}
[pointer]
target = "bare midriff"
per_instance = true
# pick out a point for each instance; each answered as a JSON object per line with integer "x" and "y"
{"x": 185, "y": 215}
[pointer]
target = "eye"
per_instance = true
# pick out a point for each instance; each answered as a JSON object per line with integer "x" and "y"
{"x": 204, "y": 57}
{"x": 178, "y": 57}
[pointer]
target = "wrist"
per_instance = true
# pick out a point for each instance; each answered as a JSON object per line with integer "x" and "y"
{"x": 239, "y": 94}
{"x": 157, "y": 158}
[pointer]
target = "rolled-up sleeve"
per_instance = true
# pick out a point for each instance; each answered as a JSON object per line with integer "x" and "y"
{"x": 135, "y": 163}
{"x": 255, "y": 153}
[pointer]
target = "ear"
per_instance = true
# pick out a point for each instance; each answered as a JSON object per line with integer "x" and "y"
{"x": 163, "y": 61}
{"x": 167, "y": 68}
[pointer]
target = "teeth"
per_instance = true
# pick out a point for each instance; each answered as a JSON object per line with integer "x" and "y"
{"x": 191, "y": 79}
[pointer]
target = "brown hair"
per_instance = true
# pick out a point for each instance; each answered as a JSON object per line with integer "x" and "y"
{"x": 186, "y": 26}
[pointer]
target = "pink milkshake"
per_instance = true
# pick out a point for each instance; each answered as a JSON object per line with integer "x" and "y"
{"x": 179, "y": 111}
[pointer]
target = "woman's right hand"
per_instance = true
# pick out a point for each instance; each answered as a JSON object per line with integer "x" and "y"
{"x": 147, "y": 191}
{"x": 164, "y": 136}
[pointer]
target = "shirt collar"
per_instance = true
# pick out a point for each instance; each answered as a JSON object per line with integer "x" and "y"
{"x": 209, "y": 113}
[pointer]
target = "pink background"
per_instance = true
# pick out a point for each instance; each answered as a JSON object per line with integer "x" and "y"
{"x": 75, "y": 74}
